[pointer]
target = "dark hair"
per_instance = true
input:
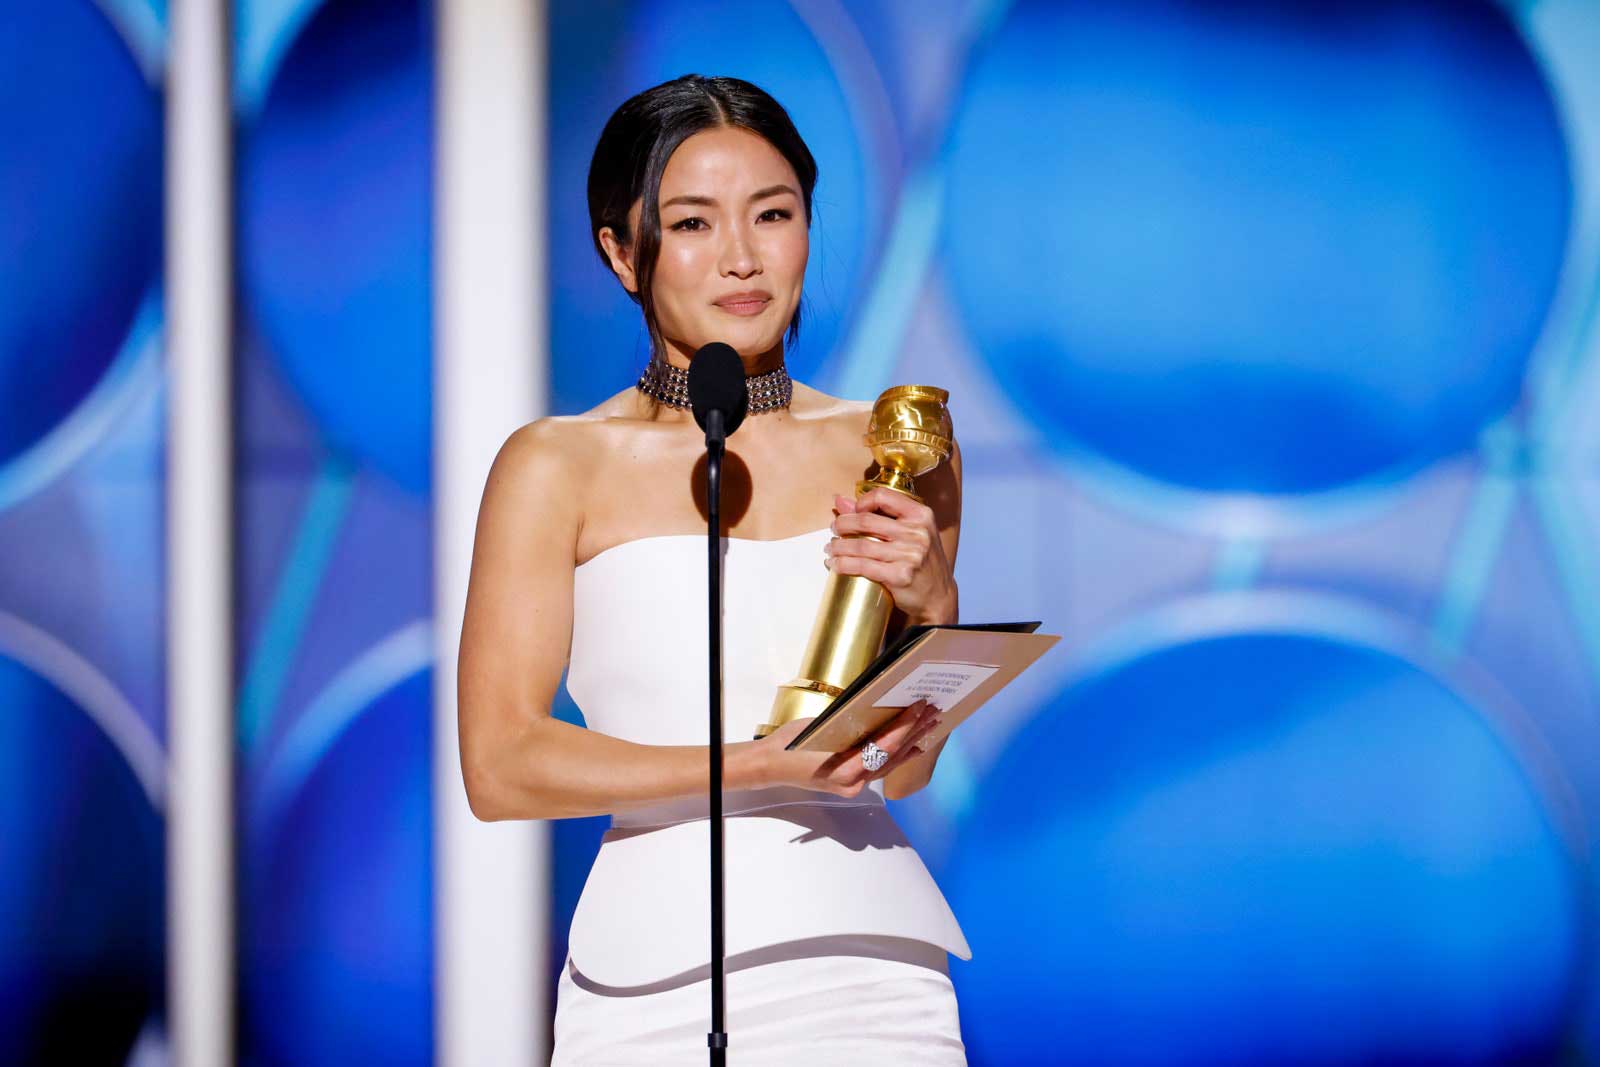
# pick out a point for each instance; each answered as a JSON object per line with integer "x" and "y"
{"x": 641, "y": 136}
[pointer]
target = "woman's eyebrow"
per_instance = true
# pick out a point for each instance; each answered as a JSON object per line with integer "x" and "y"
{"x": 772, "y": 190}
{"x": 707, "y": 201}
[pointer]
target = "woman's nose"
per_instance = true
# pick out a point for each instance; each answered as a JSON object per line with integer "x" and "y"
{"x": 739, "y": 254}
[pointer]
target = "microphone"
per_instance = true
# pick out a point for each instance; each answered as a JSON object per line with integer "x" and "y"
{"x": 717, "y": 391}
{"x": 718, "y": 396}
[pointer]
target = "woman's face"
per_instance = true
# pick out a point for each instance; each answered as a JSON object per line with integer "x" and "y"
{"x": 733, "y": 245}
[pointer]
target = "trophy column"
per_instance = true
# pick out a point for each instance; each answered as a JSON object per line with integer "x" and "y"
{"x": 909, "y": 435}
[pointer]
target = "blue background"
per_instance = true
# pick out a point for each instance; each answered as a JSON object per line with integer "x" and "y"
{"x": 1270, "y": 333}
{"x": 1266, "y": 328}
{"x": 82, "y": 647}
{"x": 333, "y": 102}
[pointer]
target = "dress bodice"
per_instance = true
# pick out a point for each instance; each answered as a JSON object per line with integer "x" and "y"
{"x": 799, "y": 863}
{"x": 638, "y": 663}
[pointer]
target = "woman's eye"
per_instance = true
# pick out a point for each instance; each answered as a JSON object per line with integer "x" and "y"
{"x": 776, "y": 214}
{"x": 690, "y": 224}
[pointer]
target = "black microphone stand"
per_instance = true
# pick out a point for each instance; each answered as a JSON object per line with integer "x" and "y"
{"x": 719, "y": 396}
{"x": 717, "y": 1039}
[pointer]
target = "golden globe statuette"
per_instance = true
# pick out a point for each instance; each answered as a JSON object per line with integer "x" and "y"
{"x": 909, "y": 435}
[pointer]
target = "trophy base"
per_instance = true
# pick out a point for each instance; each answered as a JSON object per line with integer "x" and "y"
{"x": 799, "y": 699}
{"x": 889, "y": 478}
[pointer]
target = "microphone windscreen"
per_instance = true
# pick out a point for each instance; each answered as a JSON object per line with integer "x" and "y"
{"x": 716, "y": 382}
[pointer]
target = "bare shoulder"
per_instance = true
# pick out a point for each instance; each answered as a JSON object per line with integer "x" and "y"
{"x": 558, "y": 451}
{"x": 534, "y": 486}
{"x": 832, "y": 415}
{"x": 538, "y": 457}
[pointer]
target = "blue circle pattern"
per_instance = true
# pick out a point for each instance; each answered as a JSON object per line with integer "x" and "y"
{"x": 1207, "y": 249}
{"x": 335, "y": 230}
{"x": 78, "y": 289}
{"x": 1258, "y": 248}
{"x": 336, "y": 866}
{"x": 81, "y": 883}
{"x": 1287, "y": 848}
{"x": 82, "y": 918}
{"x": 80, "y": 196}
{"x": 335, "y": 927}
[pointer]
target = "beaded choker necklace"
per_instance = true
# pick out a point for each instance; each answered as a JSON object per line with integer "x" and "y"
{"x": 670, "y": 385}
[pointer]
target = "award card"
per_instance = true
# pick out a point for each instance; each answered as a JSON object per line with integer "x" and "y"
{"x": 955, "y": 668}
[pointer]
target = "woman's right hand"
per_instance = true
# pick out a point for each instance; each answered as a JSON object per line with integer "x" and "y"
{"x": 842, "y": 773}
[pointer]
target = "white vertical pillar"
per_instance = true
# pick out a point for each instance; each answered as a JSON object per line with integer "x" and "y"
{"x": 490, "y": 368}
{"x": 199, "y": 282}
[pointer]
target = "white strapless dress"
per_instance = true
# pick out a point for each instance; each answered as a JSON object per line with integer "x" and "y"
{"x": 836, "y": 932}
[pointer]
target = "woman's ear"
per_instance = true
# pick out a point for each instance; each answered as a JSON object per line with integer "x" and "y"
{"x": 621, "y": 257}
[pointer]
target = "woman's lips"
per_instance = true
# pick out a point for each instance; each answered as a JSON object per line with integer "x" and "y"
{"x": 752, "y": 305}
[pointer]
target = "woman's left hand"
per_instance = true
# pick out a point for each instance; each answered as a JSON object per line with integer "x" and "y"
{"x": 894, "y": 540}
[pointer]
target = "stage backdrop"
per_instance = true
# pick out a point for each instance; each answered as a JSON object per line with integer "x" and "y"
{"x": 1269, "y": 330}
{"x": 1271, "y": 333}
{"x": 83, "y": 747}
{"x": 334, "y": 108}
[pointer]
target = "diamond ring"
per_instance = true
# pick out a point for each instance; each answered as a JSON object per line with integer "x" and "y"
{"x": 872, "y": 757}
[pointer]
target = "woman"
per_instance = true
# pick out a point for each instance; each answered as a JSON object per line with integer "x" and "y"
{"x": 589, "y": 556}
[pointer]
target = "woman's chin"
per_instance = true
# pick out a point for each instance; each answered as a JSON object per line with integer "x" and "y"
{"x": 747, "y": 339}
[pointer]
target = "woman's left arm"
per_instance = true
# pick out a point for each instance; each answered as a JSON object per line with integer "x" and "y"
{"x": 911, "y": 549}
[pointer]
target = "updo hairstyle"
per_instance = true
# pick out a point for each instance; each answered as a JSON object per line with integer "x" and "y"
{"x": 641, "y": 136}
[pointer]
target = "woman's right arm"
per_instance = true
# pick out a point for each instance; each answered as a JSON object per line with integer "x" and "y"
{"x": 517, "y": 760}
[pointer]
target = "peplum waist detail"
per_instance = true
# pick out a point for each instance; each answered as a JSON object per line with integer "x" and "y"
{"x": 793, "y": 871}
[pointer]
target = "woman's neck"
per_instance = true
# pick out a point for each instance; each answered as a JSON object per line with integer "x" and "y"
{"x": 770, "y": 360}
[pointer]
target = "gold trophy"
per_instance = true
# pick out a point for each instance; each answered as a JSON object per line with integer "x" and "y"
{"x": 909, "y": 435}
